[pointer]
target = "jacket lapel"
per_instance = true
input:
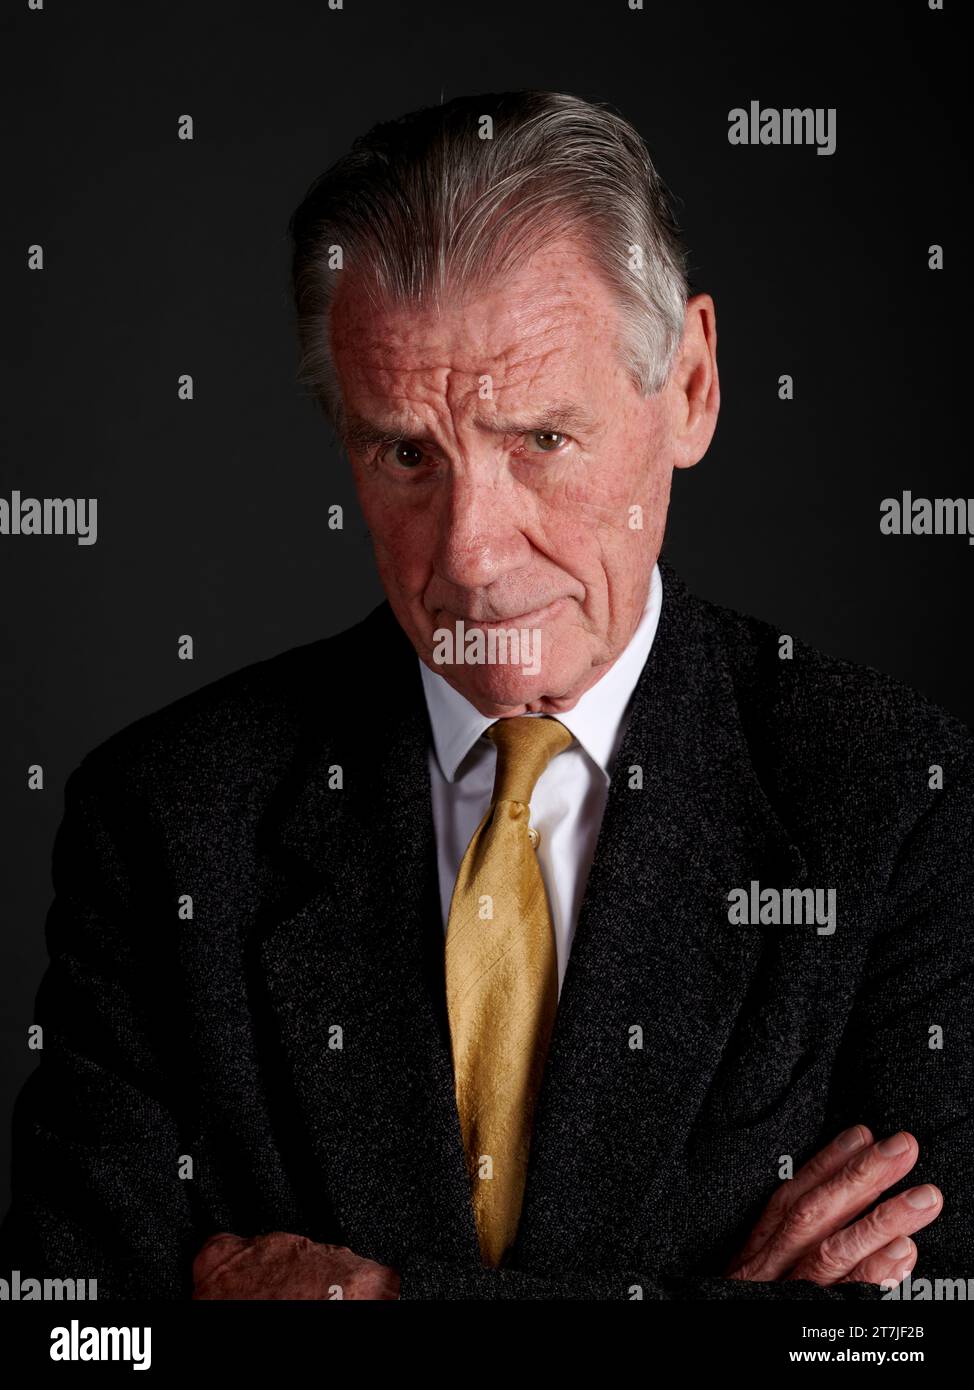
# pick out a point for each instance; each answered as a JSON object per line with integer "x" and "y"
{"x": 359, "y": 948}
{"x": 653, "y": 950}
{"x": 355, "y": 943}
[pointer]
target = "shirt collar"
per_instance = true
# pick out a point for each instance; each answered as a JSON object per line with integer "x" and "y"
{"x": 596, "y": 720}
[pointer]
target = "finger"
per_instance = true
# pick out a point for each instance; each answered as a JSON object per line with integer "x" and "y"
{"x": 888, "y": 1266}
{"x": 821, "y": 1211}
{"x": 217, "y": 1250}
{"x": 811, "y": 1174}
{"x": 842, "y": 1251}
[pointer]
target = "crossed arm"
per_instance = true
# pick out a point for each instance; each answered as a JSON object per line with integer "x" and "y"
{"x": 101, "y": 1087}
{"x": 802, "y": 1235}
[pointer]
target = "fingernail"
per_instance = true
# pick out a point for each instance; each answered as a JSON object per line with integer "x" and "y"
{"x": 851, "y": 1138}
{"x": 897, "y": 1248}
{"x": 921, "y": 1197}
{"x": 895, "y": 1144}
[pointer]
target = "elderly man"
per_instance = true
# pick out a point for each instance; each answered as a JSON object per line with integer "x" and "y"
{"x": 552, "y": 933}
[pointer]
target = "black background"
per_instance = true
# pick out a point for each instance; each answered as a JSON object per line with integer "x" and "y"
{"x": 165, "y": 257}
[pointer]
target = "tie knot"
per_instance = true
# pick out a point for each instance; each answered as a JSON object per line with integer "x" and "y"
{"x": 525, "y": 746}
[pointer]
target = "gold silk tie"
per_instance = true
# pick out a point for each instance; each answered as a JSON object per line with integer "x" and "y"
{"x": 502, "y": 981}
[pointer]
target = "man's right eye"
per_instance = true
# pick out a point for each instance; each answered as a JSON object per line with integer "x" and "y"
{"x": 401, "y": 453}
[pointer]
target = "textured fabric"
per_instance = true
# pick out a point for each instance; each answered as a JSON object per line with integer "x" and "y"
{"x": 570, "y": 798}
{"x": 502, "y": 981}
{"x": 290, "y": 1039}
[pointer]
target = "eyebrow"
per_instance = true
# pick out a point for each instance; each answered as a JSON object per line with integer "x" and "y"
{"x": 561, "y": 417}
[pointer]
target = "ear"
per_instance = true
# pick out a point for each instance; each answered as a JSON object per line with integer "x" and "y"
{"x": 694, "y": 384}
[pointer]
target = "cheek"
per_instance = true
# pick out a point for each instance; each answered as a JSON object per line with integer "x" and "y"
{"x": 403, "y": 544}
{"x": 624, "y": 467}
{"x": 604, "y": 504}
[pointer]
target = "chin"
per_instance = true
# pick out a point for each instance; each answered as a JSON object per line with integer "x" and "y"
{"x": 500, "y": 686}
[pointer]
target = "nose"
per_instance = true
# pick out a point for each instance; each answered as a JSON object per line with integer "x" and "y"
{"x": 479, "y": 534}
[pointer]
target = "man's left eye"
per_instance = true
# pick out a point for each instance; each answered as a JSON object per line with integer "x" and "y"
{"x": 548, "y": 441}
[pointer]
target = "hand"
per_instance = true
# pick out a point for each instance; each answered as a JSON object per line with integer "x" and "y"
{"x": 802, "y": 1233}
{"x": 284, "y": 1266}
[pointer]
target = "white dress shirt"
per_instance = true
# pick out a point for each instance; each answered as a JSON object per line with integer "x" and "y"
{"x": 569, "y": 796}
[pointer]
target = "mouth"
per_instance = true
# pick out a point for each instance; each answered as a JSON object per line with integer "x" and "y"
{"x": 529, "y": 619}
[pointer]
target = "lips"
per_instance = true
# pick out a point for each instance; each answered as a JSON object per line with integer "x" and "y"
{"x": 533, "y": 615}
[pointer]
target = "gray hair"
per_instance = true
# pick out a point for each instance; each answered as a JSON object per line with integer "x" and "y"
{"x": 446, "y": 199}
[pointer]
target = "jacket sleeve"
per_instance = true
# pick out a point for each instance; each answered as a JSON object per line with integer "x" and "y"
{"x": 906, "y": 1062}
{"x": 907, "y": 1057}
{"x": 96, "y": 1186}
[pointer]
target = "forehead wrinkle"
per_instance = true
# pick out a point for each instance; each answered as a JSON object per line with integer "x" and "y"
{"x": 562, "y": 416}
{"x": 520, "y": 374}
{"x": 551, "y": 409}
{"x": 425, "y": 338}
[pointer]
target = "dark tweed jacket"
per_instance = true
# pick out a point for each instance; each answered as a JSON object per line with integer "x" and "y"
{"x": 315, "y": 909}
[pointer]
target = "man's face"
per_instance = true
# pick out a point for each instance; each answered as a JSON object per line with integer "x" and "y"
{"x": 527, "y": 481}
